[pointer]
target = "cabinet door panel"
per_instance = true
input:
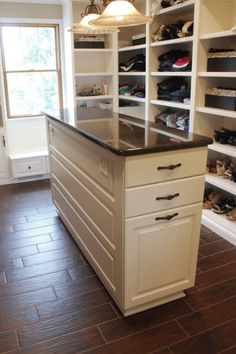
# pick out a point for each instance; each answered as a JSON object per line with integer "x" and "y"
{"x": 161, "y": 255}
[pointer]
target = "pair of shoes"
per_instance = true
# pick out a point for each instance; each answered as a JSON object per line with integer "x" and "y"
{"x": 174, "y": 119}
{"x": 174, "y": 89}
{"x": 175, "y": 60}
{"x": 137, "y": 63}
{"x": 211, "y": 197}
{"x": 168, "y": 3}
{"x": 225, "y": 136}
{"x": 224, "y": 205}
{"x": 132, "y": 90}
{"x": 179, "y": 29}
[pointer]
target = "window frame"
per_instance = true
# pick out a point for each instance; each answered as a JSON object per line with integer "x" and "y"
{"x": 58, "y": 69}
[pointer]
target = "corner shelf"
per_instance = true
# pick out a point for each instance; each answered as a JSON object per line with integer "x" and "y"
{"x": 132, "y": 98}
{"x": 178, "y": 9}
{"x": 223, "y": 149}
{"x": 171, "y": 104}
{"x": 91, "y": 98}
{"x": 217, "y": 112}
{"x": 92, "y": 50}
{"x": 217, "y": 35}
{"x": 133, "y": 73}
{"x": 222, "y": 183}
{"x": 93, "y": 74}
{"x": 220, "y": 225}
{"x": 171, "y": 73}
{"x": 217, "y": 74}
{"x": 172, "y": 41}
{"x": 133, "y": 47}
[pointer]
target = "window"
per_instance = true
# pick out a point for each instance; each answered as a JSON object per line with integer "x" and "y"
{"x": 31, "y": 69}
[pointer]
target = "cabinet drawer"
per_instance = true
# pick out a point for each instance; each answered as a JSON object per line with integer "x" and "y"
{"x": 150, "y": 199}
{"x": 164, "y": 254}
{"x": 29, "y": 166}
{"x": 164, "y": 167}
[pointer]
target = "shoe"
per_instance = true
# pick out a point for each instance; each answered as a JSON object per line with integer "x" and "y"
{"x": 224, "y": 206}
{"x": 231, "y": 216}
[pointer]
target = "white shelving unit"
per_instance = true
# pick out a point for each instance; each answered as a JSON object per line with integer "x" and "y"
{"x": 216, "y": 19}
{"x": 213, "y": 21}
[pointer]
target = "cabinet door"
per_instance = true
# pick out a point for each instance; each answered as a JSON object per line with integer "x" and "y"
{"x": 161, "y": 255}
{"x": 3, "y": 158}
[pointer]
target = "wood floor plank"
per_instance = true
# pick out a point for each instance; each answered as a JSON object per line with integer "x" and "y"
{"x": 72, "y": 343}
{"x": 80, "y": 272}
{"x": 209, "y": 317}
{"x": 145, "y": 342}
{"x": 212, "y": 342}
{"x": 216, "y": 275}
{"x": 18, "y": 252}
{"x": 56, "y": 245}
{"x": 123, "y": 327}
{"x": 212, "y": 295}
{"x": 10, "y": 264}
{"x": 6, "y": 220}
{"x": 42, "y": 269}
{"x": 14, "y": 302}
{"x": 32, "y": 232}
{"x": 61, "y": 278}
{"x": 8, "y": 341}
{"x": 42, "y": 216}
{"x": 65, "y": 324}
{"x": 215, "y": 247}
{"x": 73, "y": 304}
{"x": 37, "y": 224}
{"x": 8, "y": 244}
{"x": 217, "y": 260}
{"x": 46, "y": 209}
{"x": 12, "y": 319}
{"x": 82, "y": 286}
{"x": 51, "y": 256}
{"x": 6, "y": 228}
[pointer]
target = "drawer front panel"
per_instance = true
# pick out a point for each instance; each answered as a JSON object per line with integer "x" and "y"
{"x": 98, "y": 216}
{"x": 164, "y": 254}
{"x": 96, "y": 164}
{"x": 29, "y": 167}
{"x": 165, "y": 167}
{"x": 148, "y": 199}
{"x": 85, "y": 238}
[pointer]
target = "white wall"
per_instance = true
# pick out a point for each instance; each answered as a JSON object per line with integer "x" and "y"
{"x": 27, "y": 134}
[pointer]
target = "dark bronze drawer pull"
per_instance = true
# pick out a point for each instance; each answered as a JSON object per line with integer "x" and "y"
{"x": 169, "y": 197}
{"x": 171, "y": 167}
{"x": 168, "y": 217}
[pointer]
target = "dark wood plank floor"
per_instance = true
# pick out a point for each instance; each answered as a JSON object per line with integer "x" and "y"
{"x": 52, "y": 302}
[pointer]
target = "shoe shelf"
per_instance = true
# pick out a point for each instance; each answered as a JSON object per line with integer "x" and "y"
{"x": 133, "y": 73}
{"x": 93, "y": 74}
{"x": 223, "y": 149}
{"x": 91, "y": 98}
{"x": 217, "y": 74}
{"x": 217, "y": 35}
{"x": 220, "y": 225}
{"x": 92, "y": 50}
{"x": 179, "y": 9}
{"x": 171, "y": 104}
{"x": 171, "y": 73}
{"x": 217, "y": 112}
{"x": 172, "y": 41}
{"x": 132, "y": 98}
{"x": 133, "y": 47}
{"x": 222, "y": 183}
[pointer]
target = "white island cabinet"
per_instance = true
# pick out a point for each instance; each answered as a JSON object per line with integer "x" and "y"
{"x": 136, "y": 218}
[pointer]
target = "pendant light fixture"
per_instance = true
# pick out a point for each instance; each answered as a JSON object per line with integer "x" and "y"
{"x": 92, "y": 12}
{"x": 120, "y": 13}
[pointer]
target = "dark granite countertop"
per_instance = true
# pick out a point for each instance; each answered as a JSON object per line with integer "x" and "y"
{"x": 127, "y": 136}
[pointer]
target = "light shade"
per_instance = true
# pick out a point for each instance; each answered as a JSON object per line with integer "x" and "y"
{"x": 120, "y": 13}
{"x": 84, "y": 27}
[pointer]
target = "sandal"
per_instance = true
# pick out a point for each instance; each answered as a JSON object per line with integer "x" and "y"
{"x": 224, "y": 206}
{"x": 231, "y": 216}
